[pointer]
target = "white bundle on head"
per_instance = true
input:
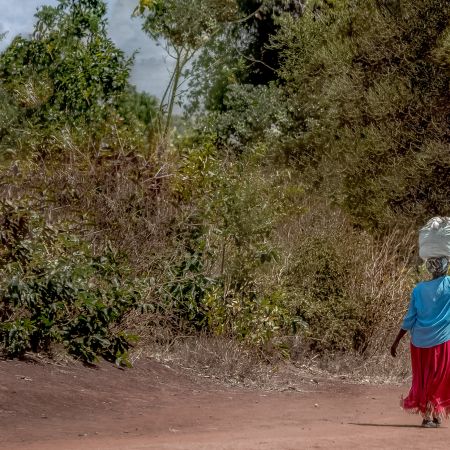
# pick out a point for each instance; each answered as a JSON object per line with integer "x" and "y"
{"x": 434, "y": 238}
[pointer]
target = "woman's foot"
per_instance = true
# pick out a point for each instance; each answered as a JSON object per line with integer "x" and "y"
{"x": 437, "y": 421}
{"x": 429, "y": 423}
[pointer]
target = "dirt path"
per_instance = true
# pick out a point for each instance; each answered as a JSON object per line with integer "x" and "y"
{"x": 47, "y": 407}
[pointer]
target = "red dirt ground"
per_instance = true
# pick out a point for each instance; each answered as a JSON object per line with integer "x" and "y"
{"x": 50, "y": 407}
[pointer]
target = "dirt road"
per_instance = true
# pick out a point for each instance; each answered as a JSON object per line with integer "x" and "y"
{"x": 48, "y": 407}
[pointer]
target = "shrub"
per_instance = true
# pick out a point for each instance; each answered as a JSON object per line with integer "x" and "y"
{"x": 54, "y": 290}
{"x": 347, "y": 289}
{"x": 234, "y": 204}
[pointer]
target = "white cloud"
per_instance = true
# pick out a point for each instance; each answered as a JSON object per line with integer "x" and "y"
{"x": 150, "y": 72}
{"x": 18, "y": 20}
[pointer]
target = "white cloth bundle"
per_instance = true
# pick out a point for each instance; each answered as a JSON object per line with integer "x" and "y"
{"x": 434, "y": 238}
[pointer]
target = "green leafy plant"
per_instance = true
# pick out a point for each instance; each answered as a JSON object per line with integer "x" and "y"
{"x": 69, "y": 65}
{"x": 68, "y": 75}
{"x": 367, "y": 82}
{"x": 53, "y": 290}
{"x": 238, "y": 206}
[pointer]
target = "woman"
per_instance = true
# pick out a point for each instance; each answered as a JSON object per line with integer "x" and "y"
{"x": 428, "y": 321}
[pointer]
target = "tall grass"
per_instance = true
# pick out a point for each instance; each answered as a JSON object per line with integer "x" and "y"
{"x": 350, "y": 288}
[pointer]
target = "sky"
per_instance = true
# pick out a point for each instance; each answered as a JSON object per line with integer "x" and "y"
{"x": 150, "y": 72}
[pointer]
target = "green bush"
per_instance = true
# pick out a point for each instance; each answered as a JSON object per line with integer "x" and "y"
{"x": 66, "y": 78}
{"x": 69, "y": 68}
{"x": 254, "y": 318}
{"x": 185, "y": 292}
{"x": 333, "y": 317}
{"x": 54, "y": 290}
{"x": 368, "y": 81}
{"x": 234, "y": 206}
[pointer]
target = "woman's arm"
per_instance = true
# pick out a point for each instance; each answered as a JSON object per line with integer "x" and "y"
{"x": 394, "y": 346}
{"x": 407, "y": 325}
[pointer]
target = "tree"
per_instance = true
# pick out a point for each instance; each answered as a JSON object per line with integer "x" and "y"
{"x": 69, "y": 69}
{"x": 241, "y": 53}
{"x": 138, "y": 105}
{"x": 184, "y": 26}
{"x": 260, "y": 29}
{"x": 368, "y": 81}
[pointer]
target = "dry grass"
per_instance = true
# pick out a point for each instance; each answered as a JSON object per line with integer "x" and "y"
{"x": 376, "y": 369}
{"x": 219, "y": 358}
{"x": 385, "y": 287}
{"x": 372, "y": 276}
{"x": 229, "y": 363}
{"x": 126, "y": 199}
{"x": 120, "y": 197}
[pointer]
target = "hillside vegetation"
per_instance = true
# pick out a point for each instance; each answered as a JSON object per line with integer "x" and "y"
{"x": 279, "y": 212}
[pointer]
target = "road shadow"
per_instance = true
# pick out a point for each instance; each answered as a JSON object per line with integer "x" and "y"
{"x": 390, "y": 425}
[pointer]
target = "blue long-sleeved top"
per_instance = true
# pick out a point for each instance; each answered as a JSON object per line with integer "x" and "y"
{"x": 428, "y": 316}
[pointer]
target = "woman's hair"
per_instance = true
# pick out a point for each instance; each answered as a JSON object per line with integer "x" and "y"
{"x": 437, "y": 266}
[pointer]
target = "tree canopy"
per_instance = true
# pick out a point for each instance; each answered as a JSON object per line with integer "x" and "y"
{"x": 69, "y": 68}
{"x": 369, "y": 83}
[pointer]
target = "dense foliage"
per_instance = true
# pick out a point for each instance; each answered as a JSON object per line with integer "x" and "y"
{"x": 281, "y": 210}
{"x": 70, "y": 64}
{"x": 371, "y": 84}
{"x": 68, "y": 76}
{"x": 54, "y": 291}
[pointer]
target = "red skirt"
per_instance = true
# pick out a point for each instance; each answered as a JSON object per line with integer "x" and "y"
{"x": 430, "y": 390}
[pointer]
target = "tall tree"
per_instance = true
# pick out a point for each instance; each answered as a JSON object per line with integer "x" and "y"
{"x": 259, "y": 30}
{"x": 368, "y": 81}
{"x": 241, "y": 53}
{"x": 184, "y": 26}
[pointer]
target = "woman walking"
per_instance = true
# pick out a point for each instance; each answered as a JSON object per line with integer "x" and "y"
{"x": 428, "y": 322}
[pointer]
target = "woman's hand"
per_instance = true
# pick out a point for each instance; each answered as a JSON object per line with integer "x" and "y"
{"x": 394, "y": 346}
{"x": 394, "y": 349}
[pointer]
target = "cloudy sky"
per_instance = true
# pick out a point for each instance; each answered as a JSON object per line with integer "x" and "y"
{"x": 150, "y": 72}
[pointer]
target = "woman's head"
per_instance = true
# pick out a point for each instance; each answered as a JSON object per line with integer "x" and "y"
{"x": 437, "y": 266}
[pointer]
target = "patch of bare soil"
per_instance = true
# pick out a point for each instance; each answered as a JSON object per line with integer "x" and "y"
{"x": 152, "y": 406}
